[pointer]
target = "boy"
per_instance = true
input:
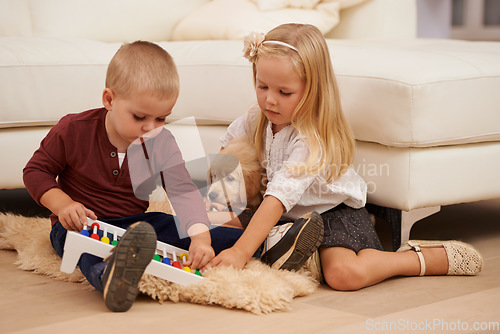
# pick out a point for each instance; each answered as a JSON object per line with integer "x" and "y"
{"x": 82, "y": 169}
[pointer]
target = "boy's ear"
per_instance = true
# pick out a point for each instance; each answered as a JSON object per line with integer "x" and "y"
{"x": 107, "y": 98}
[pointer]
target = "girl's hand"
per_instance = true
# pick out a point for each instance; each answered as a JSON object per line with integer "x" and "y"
{"x": 229, "y": 257}
{"x": 266, "y": 216}
{"x": 74, "y": 215}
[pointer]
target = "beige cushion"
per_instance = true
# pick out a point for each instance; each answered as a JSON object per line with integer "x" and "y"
{"x": 420, "y": 93}
{"x": 405, "y": 94}
{"x": 110, "y": 20}
{"x": 43, "y": 79}
{"x": 377, "y": 19}
{"x": 234, "y": 19}
{"x": 15, "y": 18}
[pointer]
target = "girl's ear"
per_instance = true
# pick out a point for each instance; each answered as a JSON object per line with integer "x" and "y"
{"x": 107, "y": 98}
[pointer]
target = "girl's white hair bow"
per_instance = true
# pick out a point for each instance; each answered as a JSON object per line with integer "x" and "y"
{"x": 251, "y": 45}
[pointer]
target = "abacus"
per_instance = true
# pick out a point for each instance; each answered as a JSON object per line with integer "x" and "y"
{"x": 103, "y": 237}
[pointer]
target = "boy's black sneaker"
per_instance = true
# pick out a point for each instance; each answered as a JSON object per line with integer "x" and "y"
{"x": 298, "y": 244}
{"x": 127, "y": 263}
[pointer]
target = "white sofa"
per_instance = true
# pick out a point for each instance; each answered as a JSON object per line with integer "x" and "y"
{"x": 425, "y": 112}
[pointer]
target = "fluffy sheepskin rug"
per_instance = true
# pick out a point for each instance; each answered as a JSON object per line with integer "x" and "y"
{"x": 257, "y": 288}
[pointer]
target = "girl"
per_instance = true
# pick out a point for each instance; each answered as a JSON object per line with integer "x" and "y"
{"x": 307, "y": 149}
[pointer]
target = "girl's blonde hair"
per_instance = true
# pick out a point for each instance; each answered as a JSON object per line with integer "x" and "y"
{"x": 142, "y": 67}
{"x": 318, "y": 116}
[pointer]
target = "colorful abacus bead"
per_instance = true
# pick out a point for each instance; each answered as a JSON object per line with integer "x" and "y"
{"x": 184, "y": 257}
{"x": 175, "y": 263}
{"x": 197, "y": 272}
{"x": 157, "y": 257}
{"x": 94, "y": 235}
{"x": 115, "y": 240}
{"x": 105, "y": 238}
{"x": 85, "y": 230}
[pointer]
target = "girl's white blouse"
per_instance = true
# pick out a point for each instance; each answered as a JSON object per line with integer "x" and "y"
{"x": 299, "y": 193}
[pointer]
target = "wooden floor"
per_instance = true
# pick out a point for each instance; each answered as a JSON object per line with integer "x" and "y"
{"x": 30, "y": 303}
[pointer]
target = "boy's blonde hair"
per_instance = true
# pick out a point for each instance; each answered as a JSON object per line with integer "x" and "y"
{"x": 142, "y": 67}
{"x": 318, "y": 116}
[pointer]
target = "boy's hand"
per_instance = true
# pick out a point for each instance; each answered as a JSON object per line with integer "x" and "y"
{"x": 200, "y": 253}
{"x": 73, "y": 216}
{"x": 200, "y": 249}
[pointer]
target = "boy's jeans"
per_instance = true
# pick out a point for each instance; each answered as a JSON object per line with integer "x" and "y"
{"x": 93, "y": 267}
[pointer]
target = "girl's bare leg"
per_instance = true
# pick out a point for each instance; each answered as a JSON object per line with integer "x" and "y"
{"x": 343, "y": 269}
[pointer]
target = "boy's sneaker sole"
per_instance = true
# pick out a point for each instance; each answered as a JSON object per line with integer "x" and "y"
{"x": 126, "y": 265}
{"x": 297, "y": 245}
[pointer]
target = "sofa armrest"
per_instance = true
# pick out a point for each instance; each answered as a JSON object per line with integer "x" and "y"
{"x": 378, "y": 19}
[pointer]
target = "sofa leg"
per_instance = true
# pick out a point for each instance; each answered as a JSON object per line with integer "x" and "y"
{"x": 408, "y": 218}
{"x": 400, "y": 221}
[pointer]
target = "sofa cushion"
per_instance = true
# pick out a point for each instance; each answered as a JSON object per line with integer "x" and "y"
{"x": 403, "y": 93}
{"x": 420, "y": 93}
{"x": 43, "y": 79}
{"x": 377, "y": 19}
{"x": 234, "y": 19}
{"x": 46, "y": 78}
{"x": 115, "y": 20}
{"x": 15, "y": 18}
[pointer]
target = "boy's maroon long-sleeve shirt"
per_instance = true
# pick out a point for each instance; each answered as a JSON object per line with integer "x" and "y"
{"x": 77, "y": 157}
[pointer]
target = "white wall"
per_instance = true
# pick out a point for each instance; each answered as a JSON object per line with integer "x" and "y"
{"x": 433, "y": 18}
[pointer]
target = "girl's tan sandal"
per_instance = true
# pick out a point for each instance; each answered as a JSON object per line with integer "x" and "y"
{"x": 463, "y": 259}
